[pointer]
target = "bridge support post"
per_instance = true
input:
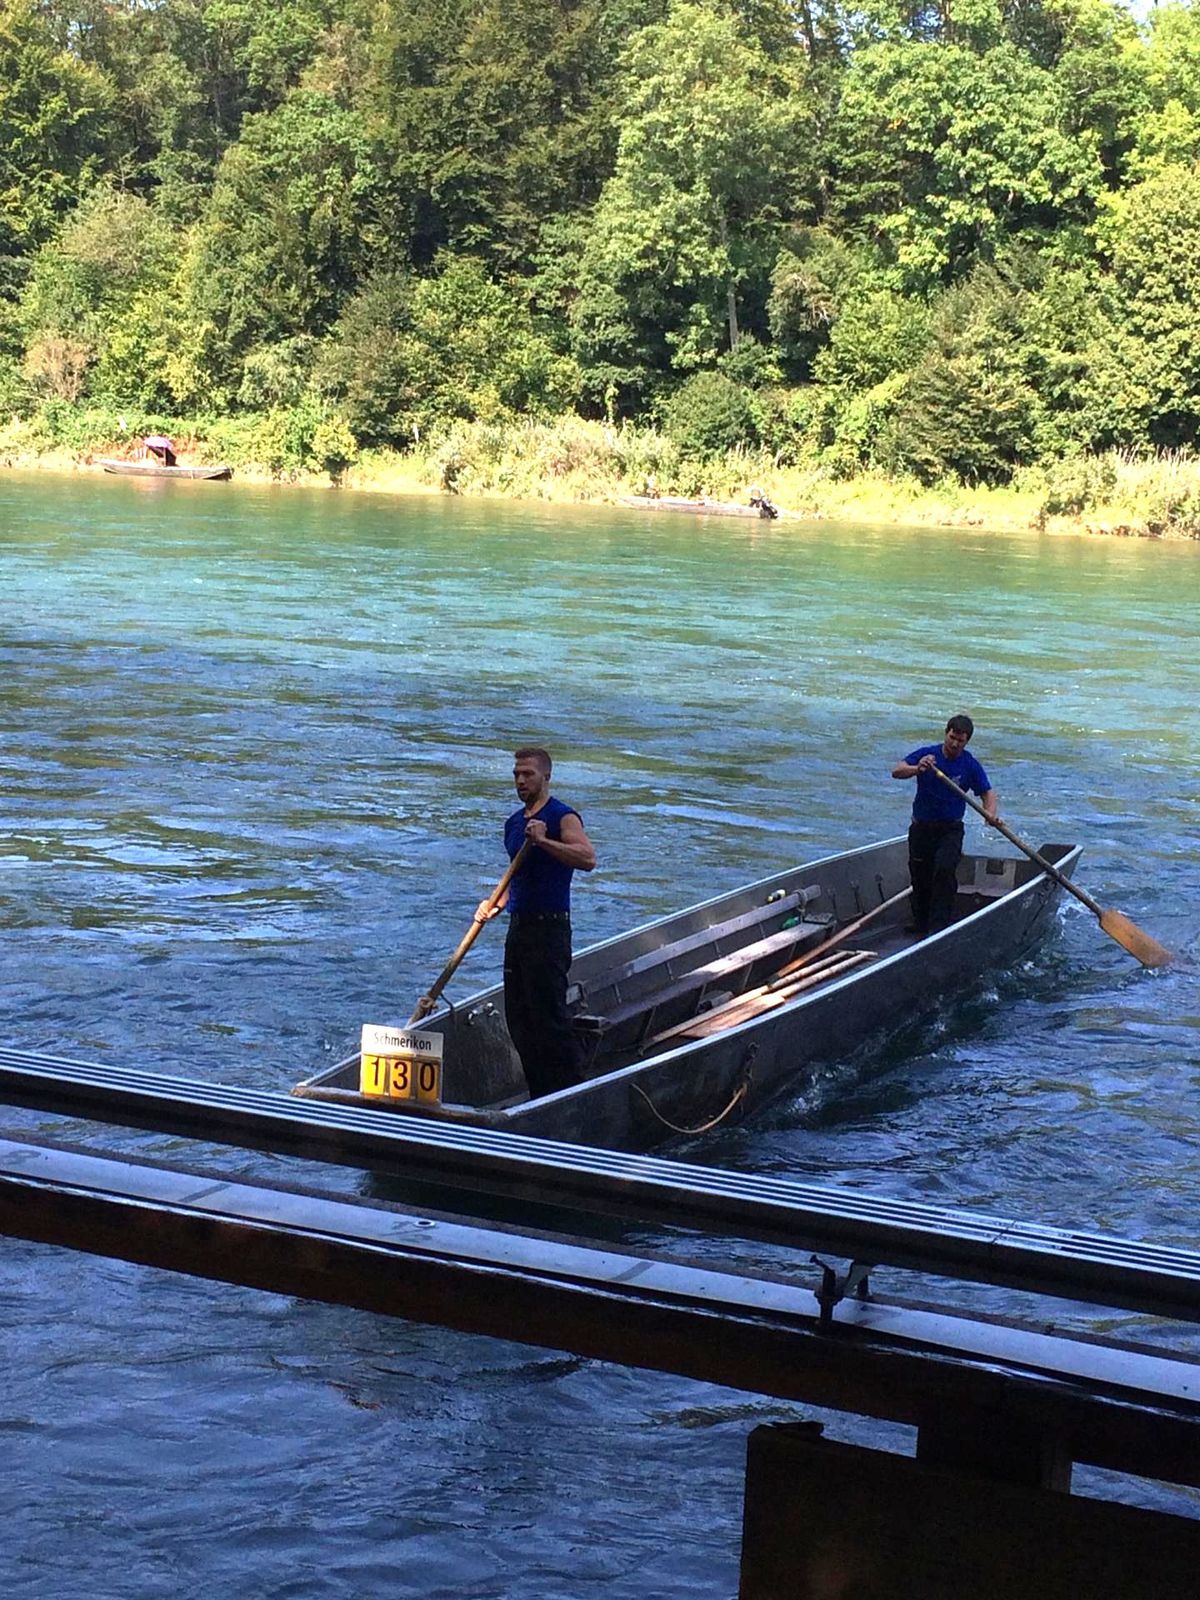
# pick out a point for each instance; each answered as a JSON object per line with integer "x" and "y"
{"x": 988, "y": 1443}
{"x": 832, "y": 1521}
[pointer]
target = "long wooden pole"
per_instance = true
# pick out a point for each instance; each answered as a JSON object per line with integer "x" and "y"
{"x": 428, "y": 1001}
{"x": 1118, "y": 926}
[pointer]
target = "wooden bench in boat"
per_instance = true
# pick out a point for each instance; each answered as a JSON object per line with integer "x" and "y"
{"x": 667, "y": 955}
{"x": 765, "y": 997}
{"x": 737, "y": 962}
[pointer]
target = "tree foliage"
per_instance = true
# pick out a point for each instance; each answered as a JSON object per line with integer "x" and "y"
{"x": 678, "y": 251}
{"x": 940, "y": 155}
{"x": 710, "y": 413}
{"x": 943, "y": 239}
{"x": 410, "y": 353}
{"x": 55, "y": 126}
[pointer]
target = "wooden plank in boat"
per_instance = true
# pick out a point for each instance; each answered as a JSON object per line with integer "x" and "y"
{"x": 691, "y": 942}
{"x": 753, "y": 1004}
{"x": 712, "y": 971}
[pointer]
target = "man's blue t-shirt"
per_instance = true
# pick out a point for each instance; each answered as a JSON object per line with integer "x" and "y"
{"x": 542, "y": 884}
{"x": 933, "y": 801}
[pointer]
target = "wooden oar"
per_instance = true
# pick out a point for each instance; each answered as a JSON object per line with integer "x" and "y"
{"x": 1115, "y": 923}
{"x": 717, "y": 1020}
{"x": 428, "y": 1001}
{"x": 839, "y": 937}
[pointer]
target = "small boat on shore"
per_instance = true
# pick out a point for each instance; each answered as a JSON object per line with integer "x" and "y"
{"x": 154, "y": 469}
{"x": 700, "y": 508}
{"x": 718, "y": 1009}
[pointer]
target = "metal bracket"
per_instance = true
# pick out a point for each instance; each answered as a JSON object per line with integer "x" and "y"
{"x": 855, "y": 1281}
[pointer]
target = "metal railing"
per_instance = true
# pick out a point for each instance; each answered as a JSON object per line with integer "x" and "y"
{"x": 1162, "y": 1280}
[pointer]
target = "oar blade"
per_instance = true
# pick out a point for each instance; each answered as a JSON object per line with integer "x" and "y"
{"x": 1147, "y": 950}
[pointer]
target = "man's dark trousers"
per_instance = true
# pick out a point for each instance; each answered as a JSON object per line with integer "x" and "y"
{"x": 537, "y": 959}
{"x": 934, "y": 851}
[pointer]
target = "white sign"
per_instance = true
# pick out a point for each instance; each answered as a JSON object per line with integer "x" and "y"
{"x": 384, "y": 1041}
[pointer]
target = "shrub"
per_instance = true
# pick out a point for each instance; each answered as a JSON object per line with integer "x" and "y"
{"x": 962, "y": 418}
{"x": 277, "y": 374}
{"x": 57, "y": 367}
{"x": 253, "y": 440}
{"x": 710, "y": 413}
{"x": 752, "y": 364}
{"x": 407, "y": 356}
{"x": 876, "y": 335}
{"x": 1077, "y": 482}
{"x": 644, "y": 453}
{"x": 865, "y": 428}
{"x": 16, "y": 397}
{"x": 781, "y": 419}
{"x": 970, "y": 409}
{"x": 332, "y": 448}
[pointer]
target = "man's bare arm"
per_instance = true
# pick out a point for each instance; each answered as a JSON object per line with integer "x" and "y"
{"x": 574, "y": 849}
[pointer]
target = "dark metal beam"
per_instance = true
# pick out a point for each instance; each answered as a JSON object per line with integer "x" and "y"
{"x": 1139, "y": 1415}
{"x": 1162, "y": 1280}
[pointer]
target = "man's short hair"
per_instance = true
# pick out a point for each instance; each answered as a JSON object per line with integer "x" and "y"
{"x": 961, "y": 724}
{"x": 534, "y": 752}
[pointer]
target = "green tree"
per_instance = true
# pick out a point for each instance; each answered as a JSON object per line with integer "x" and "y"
{"x": 710, "y": 413}
{"x": 969, "y": 408}
{"x": 54, "y": 129}
{"x": 289, "y": 231}
{"x": 183, "y": 74}
{"x": 1172, "y": 55}
{"x": 1150, "y": 361}
{"x": 365, "y": 362}
{"x": 940, "y": 156}
{"x": 105, "y": 283}
{"x": 409, "y": 354}
{"x": 496, "y": 114}
{"x": 813, "y": 276}
{"x": 1101, "y": 70}
{"x": 677, "y": 255}
{"x": 876, "y": 334}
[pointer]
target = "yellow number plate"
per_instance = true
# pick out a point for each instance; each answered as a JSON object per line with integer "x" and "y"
{"x": 401, "y": 1077}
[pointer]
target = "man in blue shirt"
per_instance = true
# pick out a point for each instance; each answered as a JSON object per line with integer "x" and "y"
{"x": 935, "y": 835}
{"x": 537, "y": 948}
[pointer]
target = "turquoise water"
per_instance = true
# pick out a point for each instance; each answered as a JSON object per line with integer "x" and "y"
{"x": 255, "y": 753}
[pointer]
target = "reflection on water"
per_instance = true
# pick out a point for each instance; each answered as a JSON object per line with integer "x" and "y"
{"x": 255, "y": 758}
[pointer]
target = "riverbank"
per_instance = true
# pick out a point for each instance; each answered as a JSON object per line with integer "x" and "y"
{"x": 578, "y": 462}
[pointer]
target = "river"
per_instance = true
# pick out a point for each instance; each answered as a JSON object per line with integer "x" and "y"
{"x": 256, "y": 755}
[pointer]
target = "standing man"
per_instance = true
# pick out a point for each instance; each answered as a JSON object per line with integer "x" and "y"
{"x": 537, "y": 949}
{"x": 935, "y": 835}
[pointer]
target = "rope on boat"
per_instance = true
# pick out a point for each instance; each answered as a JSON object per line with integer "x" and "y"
{"x": 739, "y": 1094}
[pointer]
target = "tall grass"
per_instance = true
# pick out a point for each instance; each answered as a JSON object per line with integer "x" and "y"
{"x": 1155, "y": 493}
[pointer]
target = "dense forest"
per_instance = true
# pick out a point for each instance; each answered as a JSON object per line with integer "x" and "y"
{"x": 953, "y": 239}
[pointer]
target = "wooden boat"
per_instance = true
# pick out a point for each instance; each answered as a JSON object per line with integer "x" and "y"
{"x": 153, "y": 469}
{"x": 699, "y": 508}
{"x": 718, "y": 1009}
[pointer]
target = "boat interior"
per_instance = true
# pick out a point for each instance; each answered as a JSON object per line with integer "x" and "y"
{"x": 742, "y": 966}
{"x": 691, "y": 976}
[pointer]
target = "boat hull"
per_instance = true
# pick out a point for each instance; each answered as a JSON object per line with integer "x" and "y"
{"x": 696, "y": 508}
{"x": 640, "y": 1093}
{"x": 149, "y": 469}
